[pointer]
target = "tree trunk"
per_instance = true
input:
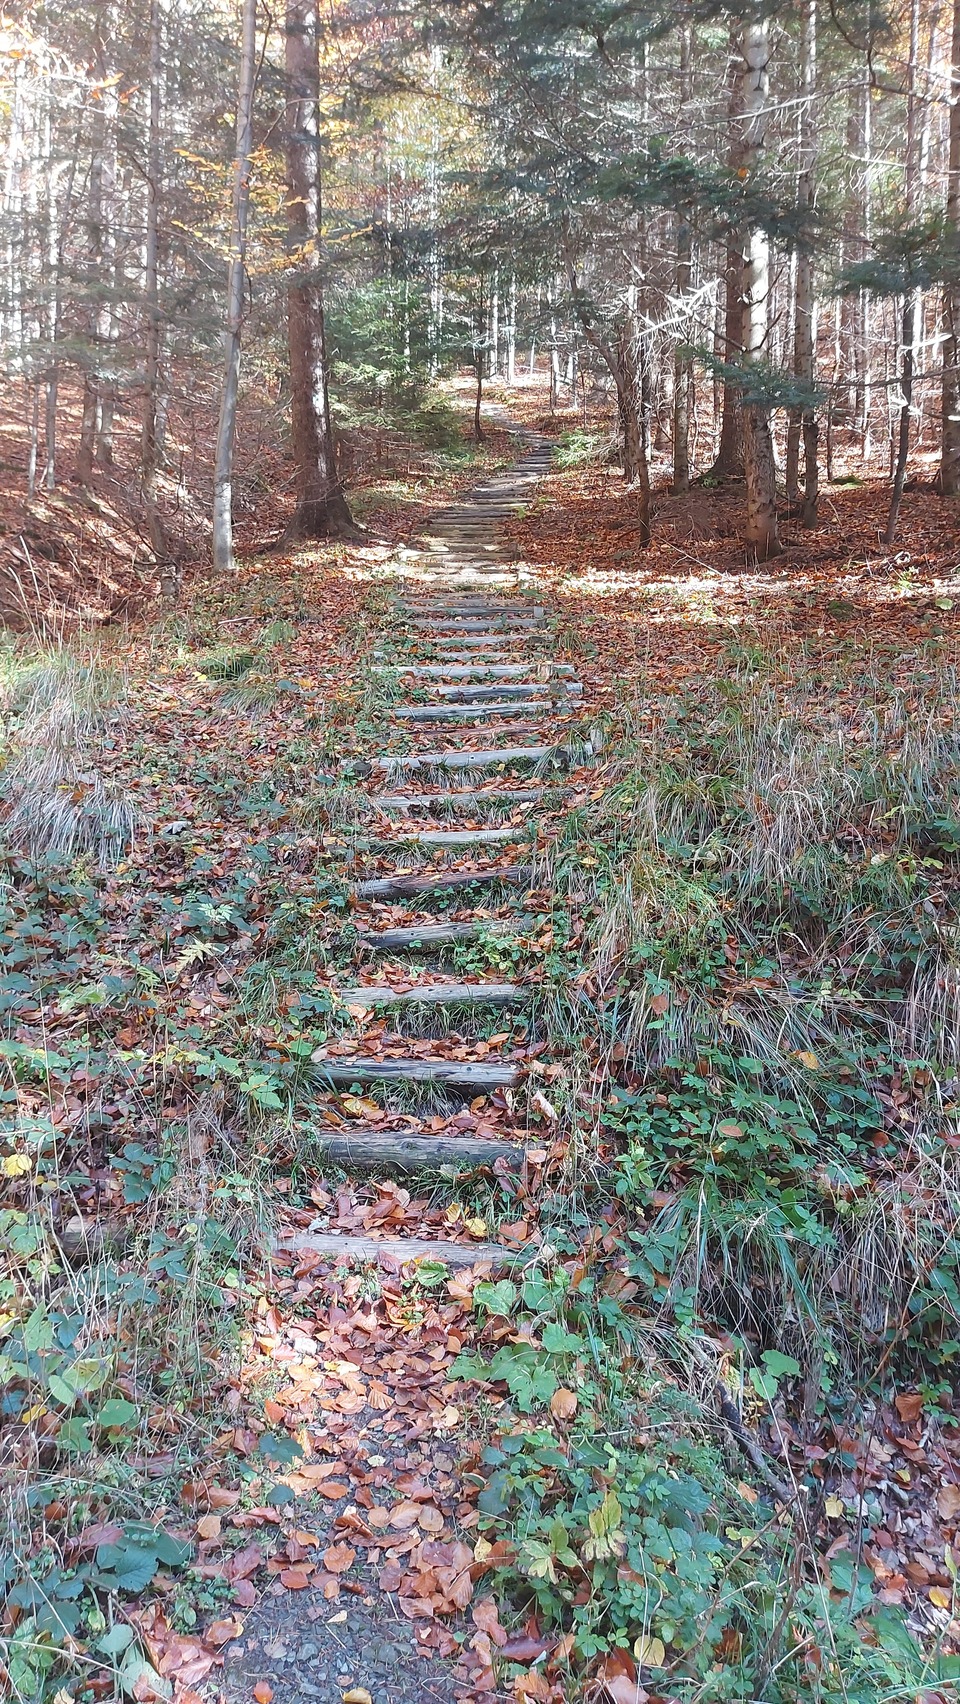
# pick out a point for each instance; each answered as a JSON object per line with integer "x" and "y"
{"x": 321, "y": 510}
{"x": 761, "y": 536}
{"x": 682, "y": 365}
{"x": 803, "y": 420}
{"x": 910, "y": 322}
{"x": 149, "y": 442}
{"x": 95, "y": 265}
{"x": 728, "y": 463}
{"x": 950, "y": 399}
{"x": 226, "y": 432}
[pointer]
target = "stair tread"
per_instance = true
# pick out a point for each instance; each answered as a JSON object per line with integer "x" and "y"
{"x": 401, "y": 1249}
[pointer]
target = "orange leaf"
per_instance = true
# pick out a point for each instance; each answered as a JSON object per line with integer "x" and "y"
{"x": 221, "y": 1632}
{"x": 296, "y": 1579}
{"x": 263, "y": 1692}
{"x": 563, "y": 1404}
{"x": 909, "y": 1406}
{"x": 338, "y": 1558}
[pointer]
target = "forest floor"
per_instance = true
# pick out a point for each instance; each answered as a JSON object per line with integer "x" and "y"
{"x": 283, "y": 1479}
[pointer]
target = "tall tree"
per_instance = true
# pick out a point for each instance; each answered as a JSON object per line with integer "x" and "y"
{"x": 950, "y": 399}
{"x": 150, "y": 434}
{"x": 322, "y": 510}
{"x": 240, "y": 208}
{"x": 761, "y": 535}
{"x": 803, "y": 420}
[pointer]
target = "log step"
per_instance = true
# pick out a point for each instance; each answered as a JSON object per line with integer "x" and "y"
{"x": 469, "y": 606}
{"x": 500, "y": 671}
{"x": 466, "y": 693}
{"x": 461, "y": 1073}
{"x": 430, "y": 934}
{"x": 456, "y": 796}
{"x": 402, "y": 1249}
{"x": 525, "y": 832}
{"x": 436, "y": 994}
{"x": 368, "y": 1149}
{"x": 470, "y": 759}
{"x": 477, "y": 624}
{"x": 464, "y": 712}
{"x": 400, "y": 887}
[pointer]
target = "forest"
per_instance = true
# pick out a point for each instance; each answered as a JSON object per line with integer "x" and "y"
{"x": 480, "y": 852}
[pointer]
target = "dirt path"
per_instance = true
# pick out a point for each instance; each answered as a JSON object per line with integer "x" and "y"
{"x": 476, "y": 734}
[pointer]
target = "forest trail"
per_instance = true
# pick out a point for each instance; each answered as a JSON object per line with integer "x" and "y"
{"x": 480, "y": 720}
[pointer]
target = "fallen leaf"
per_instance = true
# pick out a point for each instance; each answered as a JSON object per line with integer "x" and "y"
{"x": 296, "y": 1579}
{"x": 221, "y": 1632}
{"x": 948, "y": 1502}
{"x": 909, "y": 1406}
{"x": 563, "y": 1404}
{"x": 357, "y": 1695}
{"x": 650, "y": 1653}
{"x": 263, "y": 1692}
{"x": 209, "y": 1526}
{"x": 833, "y": 1508}
{"x": 338, "y": 1558}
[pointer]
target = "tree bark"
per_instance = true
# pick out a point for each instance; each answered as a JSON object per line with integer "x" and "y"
{"x": 803, "y": 425}
{"x": 728, "y": 463}
{"x": 761, "y": 536}
{"x": 910, "y": 320}
{"x": 682, "y": 365}
{"x": 150, "y": 441}
{"x": 322, "y": 510}
{"x": 223, "y": 561}
{"x": 950, "y": 398}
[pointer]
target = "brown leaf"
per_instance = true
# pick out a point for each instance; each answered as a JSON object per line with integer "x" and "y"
{"x": 909, "y": 1406}
{"x": 296, "y": 1579}
{"x": 522, "y": 1648}
{"x": 263, "y": 1692}
{"x": 948, "y": 1502}
{"x": 563, "y": 1404}
{"x": 221, "y": 1632}
{"x": 208, "y": 1526}
{"x": 485, "y": 1615}
{"x": 332, "y": 1488}
{"x": 338, "y": 1558}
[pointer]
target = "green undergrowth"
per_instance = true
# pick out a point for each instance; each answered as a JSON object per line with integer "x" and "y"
{"x": 760, "y": 914}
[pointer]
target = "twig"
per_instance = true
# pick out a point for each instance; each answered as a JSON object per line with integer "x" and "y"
{"x": 750, "y": 1446}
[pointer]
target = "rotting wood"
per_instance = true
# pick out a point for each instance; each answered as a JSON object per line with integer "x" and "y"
{"x": 436, "y": 994}
{"x": 366, "y": 1150}
{"x": 400, "y": 887}
{"x": 456, "y": 796}
{"x": 464, "y": 836}
{"x": 469, "y": 759}
{"x": 430, "y": 934}
{"x": 464, "y": 712}
{"x": 404, "y": 1249}
{"x": 463, "y": 1073}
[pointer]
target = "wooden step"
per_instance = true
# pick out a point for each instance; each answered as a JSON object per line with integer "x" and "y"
{"x": 466, "y": 712}
{"x": 430, "y": 934}
{"x": 436, "y": 994}
{"x": 401, "y": 887}
{"x": 498, "y": 671}
{"x": 469, "y": 606}
{"x": 469, "y": 759}
{"x": 460, "y": 1073}
{"x": 526, "y": 832}
{"x": 475, "y": 641}
{"x": 364, "y": 1149}
{"x": 456, "y": 796}
{"x": 465, "y": 692}
{"x": 402, "y": 1249}
{"x": 486, "y": 624}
